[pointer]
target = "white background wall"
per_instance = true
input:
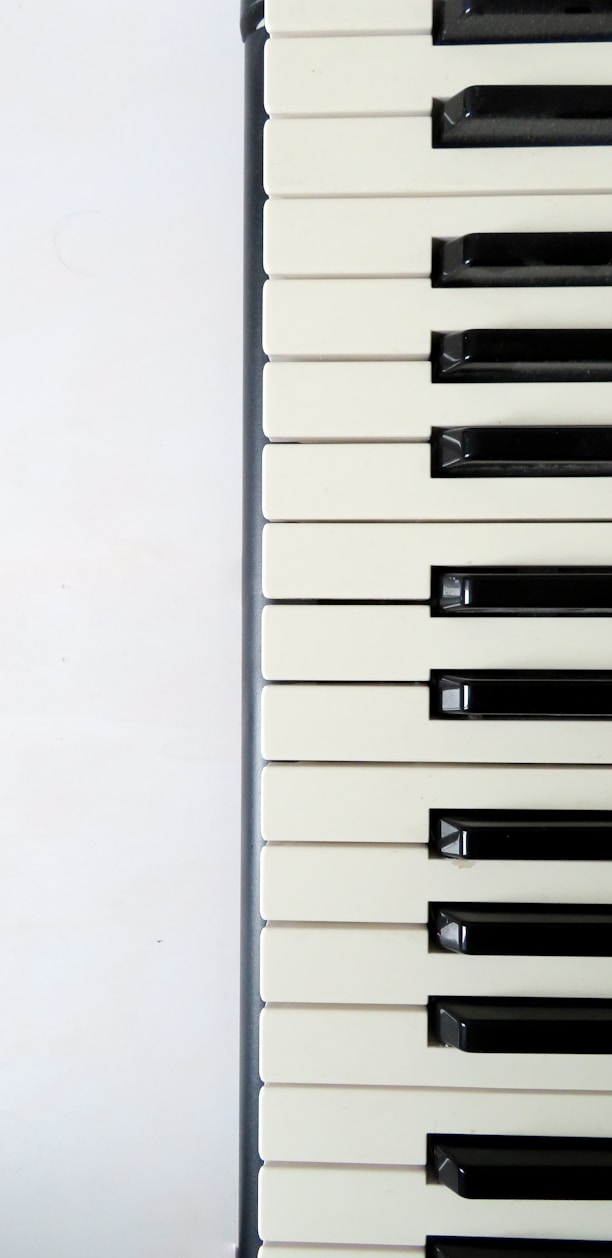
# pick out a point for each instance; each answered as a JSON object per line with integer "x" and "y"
{"x": 120, "y": 274}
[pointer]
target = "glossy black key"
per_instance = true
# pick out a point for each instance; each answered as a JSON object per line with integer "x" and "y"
{"x": 521, "y": 117}
{"x": 484, "y": 356}
{"x": 486, "y": 452}
{"x": 520, "y": 592}
{"x": 522, "y": 930}
{"x": 523, "y": 1167}
{"x": 523, "y": 259}
{"x": 513, "y": 695}
{"x": 520, "y": 834}
{"x": 520, "y": 21}
{"x": 483, "y": 1247}
{"x": 512, "y": 1025}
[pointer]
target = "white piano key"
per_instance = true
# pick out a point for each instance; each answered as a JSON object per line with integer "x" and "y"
{"x": 392, "y": 1206}
{"x": 346, "y": 17}
{"x": 389, "y": 318}
{"x": 361, "y": 482}
{"x": 306, "y": 157}
{"x": 393, "y": 237}
{"x": 394, "y": 561}
{"x": 309, "y": 882}
{"x": 392, "y": 965}
{"x": 317, "y": 803}
{"x": 399, "y": 74}
{"x": 315, "y": 643}
{"x": 304, "y": 1251}
{"x": 378, "y": 1047}
{"x": 397, "y": 401}
{"x": 392, "y": 724}
{"x": 389, "y": 1126}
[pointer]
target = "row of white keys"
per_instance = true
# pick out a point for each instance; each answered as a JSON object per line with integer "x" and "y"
{"x": 391, "y": 804}
{"x": 388, "y": 1047}
{"x": 331, "y": 157}
{"x": 381, "y": 643}
{"x": 378, "y": 237}
{"x": 309, "y": 882}
{"x": 378, "y": 482}
{"x": 393, "y": 965}
{"x": 394, "y": 318}
{"x": 394, "y": 1206}
{"x": 389, "y": 1126}
{"x": 397, "y": 401}
{"x": 392, "y": 724}
{"x": 335, "y": 17}
{"x": 394, "y": 561}
{"x": 399, "y": 74}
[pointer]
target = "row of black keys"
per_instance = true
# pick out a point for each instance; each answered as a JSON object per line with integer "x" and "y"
{"x": 520, "y": 21}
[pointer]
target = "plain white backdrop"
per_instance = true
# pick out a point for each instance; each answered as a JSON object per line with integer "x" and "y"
{"x": 120, "y": 366}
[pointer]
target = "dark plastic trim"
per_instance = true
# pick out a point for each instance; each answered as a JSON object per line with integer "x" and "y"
{"x": 252, "y": 603}
{"x": 251, "y": 14}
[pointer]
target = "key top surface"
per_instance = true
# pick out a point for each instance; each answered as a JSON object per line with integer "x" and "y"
{"x": 513, "y": 695}
{"x": 512, "y": 1167}
{"x": 517, "y": 117}
{"x": 539, "y": 592}
{"x": 524, "y": 259}
{"x": 515, "y": 834}
{"x": 489, "y": 1025}
{"x": 521, "y": 930}
{"x": 519, "y": 21}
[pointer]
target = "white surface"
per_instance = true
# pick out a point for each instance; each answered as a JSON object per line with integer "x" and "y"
{"x": 394, "y": 561}
{"x": 377, "y": 236}
{"x": 394, "y": 318}
{"x": 388, "y": 1047}
{"x": 394, "y": 482}
{"x": 120, "y": 328}
{"x": 361, "y": 1205}
{"x": 315, "y": 803}
{"x": 296, "y": 17}
{"x": 401, "y": 74}
{"x": 394, "y": 157}
{"x": 392, "y": 724}
{"x": 396, "y": 401}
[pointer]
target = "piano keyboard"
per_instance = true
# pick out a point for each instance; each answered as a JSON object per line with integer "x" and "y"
{"x": 429, "y": 614}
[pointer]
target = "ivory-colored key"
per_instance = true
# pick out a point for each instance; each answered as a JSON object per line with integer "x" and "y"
{"x": 318, "y": 643}
{"x": 402, "y": 74}
{"x": 394, "y": 318}
{"x": 377, "y": 237}
{"x": 390, "y": 804}
{"x": 347, "y": 482}
{"x": 330, "y": 157}
{"x": 309, "y": 882}
{"x": 392, "y": 724}
{"x": 388, "y": 1047}
{"x": 395, "y": 561}
{"x": 335, "y": 17}
{"x": 397, "y": 401}
{"x": 393, "y": 1206}
{"x": 393, "y": 965}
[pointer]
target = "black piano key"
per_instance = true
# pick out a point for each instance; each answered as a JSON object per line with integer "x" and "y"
{"x": 527, "y": 591}
{"x": 484, "y": 1247}
{"x": 523, "y": 259}
{"x": 486, "y": 452}
{"x": 486, "y": 355}
{"x": 512, "y": 1025}
{"x": 522, "y": 930}
{"x": 521, "y": 117}
{"x": 520, "y": 21}
{"x": 520, "y": 834}
{"x": 523, "y": 1167}
{"x": 515, "y": 695}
